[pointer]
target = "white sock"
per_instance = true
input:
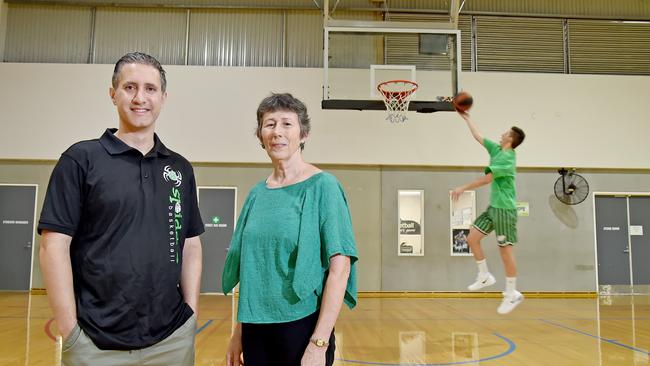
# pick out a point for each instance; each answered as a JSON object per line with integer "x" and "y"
{"x": 511, "y": 284}
{"x": 482, "y": 267}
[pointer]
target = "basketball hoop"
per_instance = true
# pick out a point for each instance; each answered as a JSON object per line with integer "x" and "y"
{"x": 397, "y": 95}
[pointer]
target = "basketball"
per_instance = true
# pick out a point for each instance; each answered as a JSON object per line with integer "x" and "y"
{"x": 463, "y": 102}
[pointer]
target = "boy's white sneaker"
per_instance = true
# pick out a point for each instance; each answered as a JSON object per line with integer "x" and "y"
{"x": 510, "y": 302}
{"x": 482, "y": 281}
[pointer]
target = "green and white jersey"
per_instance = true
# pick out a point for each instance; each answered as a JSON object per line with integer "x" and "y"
{"x": 503, "y": 168}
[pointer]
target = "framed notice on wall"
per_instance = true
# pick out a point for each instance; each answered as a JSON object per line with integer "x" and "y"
{"x": 410, "y": 208}
{"x": 462, "y": 214}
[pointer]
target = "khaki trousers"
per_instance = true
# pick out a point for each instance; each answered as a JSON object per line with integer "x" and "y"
{"x": 177, "y": 350}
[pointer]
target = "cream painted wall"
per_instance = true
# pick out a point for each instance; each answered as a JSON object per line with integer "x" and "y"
{"x": 571, "y": 120}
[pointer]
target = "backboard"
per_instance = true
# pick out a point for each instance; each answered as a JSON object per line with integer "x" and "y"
{"x": 359, "y": 55}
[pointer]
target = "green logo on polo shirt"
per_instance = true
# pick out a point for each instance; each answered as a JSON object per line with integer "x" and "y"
{"x": 175, "y": 224}
{"x": 172, "y": 176}
{"x": 175, "y": 213}
{"x": 216, "y": 220}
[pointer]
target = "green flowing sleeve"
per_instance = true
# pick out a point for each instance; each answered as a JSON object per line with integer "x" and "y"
{"x": 337, "y": 236}
{"x": 325, "y": 230}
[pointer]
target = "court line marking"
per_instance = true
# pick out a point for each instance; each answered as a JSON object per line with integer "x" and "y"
{"x": 204, "y": 326}
{"x": 492, "y": 318}
{"x": 511, "y": 348}
{"x": 611, "y": 341}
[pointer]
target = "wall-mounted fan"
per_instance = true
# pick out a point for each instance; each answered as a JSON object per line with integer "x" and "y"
{"x": 571, "y": 188}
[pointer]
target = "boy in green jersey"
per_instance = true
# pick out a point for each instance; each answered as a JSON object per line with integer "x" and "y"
{"x": 500, "y": 216}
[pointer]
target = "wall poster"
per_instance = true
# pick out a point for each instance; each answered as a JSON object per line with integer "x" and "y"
{"x": 410, "y": 208}
{"x": 462, "y": 215}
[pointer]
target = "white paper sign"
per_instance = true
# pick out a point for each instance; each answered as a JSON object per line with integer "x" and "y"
{"x": 410, "y": 208}
{"x": 523, "y": 209}
{"x": 636, "y": 230}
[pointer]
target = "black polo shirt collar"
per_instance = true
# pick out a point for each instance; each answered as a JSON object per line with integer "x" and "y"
{"x": 115, "y": 146}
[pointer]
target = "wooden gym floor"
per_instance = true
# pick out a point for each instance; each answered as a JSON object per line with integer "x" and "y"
{"x": 406, "y": 331}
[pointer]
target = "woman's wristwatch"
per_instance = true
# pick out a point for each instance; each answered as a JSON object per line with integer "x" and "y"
{"x": 319, "y": 342}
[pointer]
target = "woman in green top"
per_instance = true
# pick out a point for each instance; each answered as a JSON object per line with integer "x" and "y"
{"x": 293, "y": 252}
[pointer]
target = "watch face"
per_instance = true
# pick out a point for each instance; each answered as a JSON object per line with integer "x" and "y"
{"x": 320, "y": 343}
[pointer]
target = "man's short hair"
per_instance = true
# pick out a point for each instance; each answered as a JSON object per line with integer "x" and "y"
{"x": 518, "y": 136}
{"x": 139, "y": 58}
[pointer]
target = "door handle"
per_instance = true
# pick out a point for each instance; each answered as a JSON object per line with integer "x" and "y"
{"x": 626, "y": 250}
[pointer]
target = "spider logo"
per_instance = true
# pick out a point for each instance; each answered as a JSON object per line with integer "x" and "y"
{"x": 173, "y": 176}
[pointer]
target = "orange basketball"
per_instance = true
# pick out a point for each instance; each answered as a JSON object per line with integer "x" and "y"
{"x": 463, "y": 102}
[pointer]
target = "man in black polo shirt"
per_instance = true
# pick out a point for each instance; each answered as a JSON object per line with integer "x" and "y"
{"x": 120, "y": 250}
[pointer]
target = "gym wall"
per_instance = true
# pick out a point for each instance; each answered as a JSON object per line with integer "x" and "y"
{"x": 555, "y": 253}
{"x": 588, "y": 121}
{"x": 583, "y": 121}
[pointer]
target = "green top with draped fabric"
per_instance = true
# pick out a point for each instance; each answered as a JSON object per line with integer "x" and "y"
{"x": 280, "y": 250}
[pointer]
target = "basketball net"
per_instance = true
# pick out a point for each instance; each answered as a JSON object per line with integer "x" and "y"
{"x": 397, "y": 95}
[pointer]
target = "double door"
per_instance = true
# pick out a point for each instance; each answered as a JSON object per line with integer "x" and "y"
{"x": 623, "y": 243}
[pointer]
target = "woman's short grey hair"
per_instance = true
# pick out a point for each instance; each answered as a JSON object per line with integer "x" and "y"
{"x": 284, "y": 102}
{"x": 138, "y": 58}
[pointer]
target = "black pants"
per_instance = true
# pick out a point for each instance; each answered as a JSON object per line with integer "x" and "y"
{"x": 281, "y": 344}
